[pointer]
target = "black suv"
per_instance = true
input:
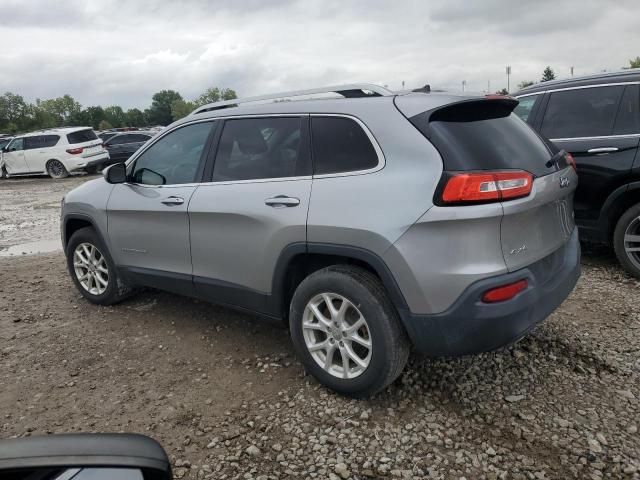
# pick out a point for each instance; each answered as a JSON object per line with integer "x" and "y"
{"x": 596, "y": 118}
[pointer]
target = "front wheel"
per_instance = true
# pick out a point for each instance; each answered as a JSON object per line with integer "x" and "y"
{"x": 56, "y": 169}
{"x": 347, "y": 332}
{"x": 92, "y": 270}
{"x": 626, "y": 240}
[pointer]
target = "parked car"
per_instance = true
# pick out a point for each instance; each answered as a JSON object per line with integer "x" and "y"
{"x": 597, "y": 119}
{"x": 104, "y": 136}
{"x": 122, "y": 145}
{"x": 55, "y": 152}
{"x": 369, "y": 224}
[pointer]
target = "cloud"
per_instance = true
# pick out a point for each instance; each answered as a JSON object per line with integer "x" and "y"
{"x": 121, "y": 52}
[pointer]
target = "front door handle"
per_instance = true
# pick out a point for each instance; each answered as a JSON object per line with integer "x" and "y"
{"x": 282, "y": 201}
{"x": 173, "y": 201}
{"x": 603, "y": 150}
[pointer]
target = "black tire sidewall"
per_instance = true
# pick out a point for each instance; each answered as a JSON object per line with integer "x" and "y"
{"x": 376, "y": 316}
{"x": 88, "y": 235}
{"x": 618, "y": 239}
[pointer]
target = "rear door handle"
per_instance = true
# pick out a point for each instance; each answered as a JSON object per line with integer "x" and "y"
{"x": 173, "y": 201}
{"x": 282, "y": 201}
{"x": 603, "y": 150}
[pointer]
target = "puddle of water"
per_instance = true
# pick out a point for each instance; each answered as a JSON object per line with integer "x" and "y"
{"x": 31, "y": 248}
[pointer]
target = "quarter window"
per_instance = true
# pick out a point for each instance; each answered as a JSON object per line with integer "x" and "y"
{"x": 175, "y": 158}
{"x": 584, "y": 112}
{"x": 340, "y": 145}
{"x": 266, "y": 147}
{"x": 523, "y": 110}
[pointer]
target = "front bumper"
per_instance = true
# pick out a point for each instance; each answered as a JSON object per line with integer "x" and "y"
{"x": 471, "y": 326}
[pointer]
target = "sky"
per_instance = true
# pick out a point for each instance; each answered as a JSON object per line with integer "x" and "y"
{"x": 120, "y": 52}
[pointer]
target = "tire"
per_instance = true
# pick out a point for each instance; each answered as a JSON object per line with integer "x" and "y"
{"x": 628, "y": 225}
{"x": 93, "y": 289}
{"x": 389, "y": 345}
{"x": 56, "y": 169}
{"x": 3, "y": 173}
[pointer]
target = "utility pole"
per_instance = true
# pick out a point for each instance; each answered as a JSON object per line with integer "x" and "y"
{"x": 508, "y": 70}
{"x": 464, "y": 84}
{"x": 403, "y": 84}
{"x": 488, "y": 86}
{"x": 572, "y": 71}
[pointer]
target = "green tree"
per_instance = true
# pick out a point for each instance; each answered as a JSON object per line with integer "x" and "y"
{"x": 504, "y": 91}
{"x": 94, "y": 115}
{"x": 214, "y": 94}
{"x": 524, "y": 84}
{"x": 104, "y": 125}
{"x": 115, "y": 116}
{"x": 633, "y": 63}
{"x": 548, "y": 74}
{"x": 160, "y": 111}
{"x": 13, "y": 110}
{"x": 181, "y": 108}
{"x": 135, "y": 118}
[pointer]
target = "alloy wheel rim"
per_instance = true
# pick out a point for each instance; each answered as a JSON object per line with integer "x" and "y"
{"x": 91, "y": 268}
{"x": 632, "y": 242}
{"x": 56, "y": 167}
{"x": 337, "y": 335}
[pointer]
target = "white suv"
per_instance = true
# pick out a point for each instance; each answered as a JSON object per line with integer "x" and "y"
{"x": 55, "y": 152}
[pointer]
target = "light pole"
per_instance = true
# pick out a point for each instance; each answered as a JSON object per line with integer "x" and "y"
{"x": 508, "y": 69}
{"x": 464, "y": 84}
{"x": 572, "y": 71}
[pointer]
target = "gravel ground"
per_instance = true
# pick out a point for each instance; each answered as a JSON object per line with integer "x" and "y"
{"x": 223, "y": 392}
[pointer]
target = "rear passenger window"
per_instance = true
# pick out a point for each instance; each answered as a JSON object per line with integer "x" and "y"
{"x": 340, "y": 145}
{"x": 50, "y": 140}
{"x": 256, "y": 148}
{"x": 81, "y": 136}
{"x": 584, "y": 112}
{"x": 628, "y": 119}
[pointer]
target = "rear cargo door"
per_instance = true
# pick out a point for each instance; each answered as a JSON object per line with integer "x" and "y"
{"x": 485, "y": 135}
{"x": 535, "y": 226}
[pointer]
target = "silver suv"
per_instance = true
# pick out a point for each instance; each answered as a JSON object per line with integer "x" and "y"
{"x": 370, "y": 224}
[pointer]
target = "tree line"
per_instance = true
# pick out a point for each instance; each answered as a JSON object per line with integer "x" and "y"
{"x": 18, "y": 115}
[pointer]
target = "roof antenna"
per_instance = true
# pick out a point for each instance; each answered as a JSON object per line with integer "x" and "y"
{"x": 425, "y": 89}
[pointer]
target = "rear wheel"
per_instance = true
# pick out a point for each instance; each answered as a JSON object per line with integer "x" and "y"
{"x": 92, "y": 269}
{"x": 347, "y": 332}
{"x": 56, "y": 169}
{"x": 626, "y": 240}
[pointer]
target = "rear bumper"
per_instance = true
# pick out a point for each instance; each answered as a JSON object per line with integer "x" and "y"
{"x": 471, "y": 326}
{"x": 102, "y": 162}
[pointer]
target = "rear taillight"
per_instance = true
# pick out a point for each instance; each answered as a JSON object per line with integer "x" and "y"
{"x": 75, "y": 151}
{"x": 571, "y": 161}
{"x": 504, "y": 292}
{"x": 486, "y": 186}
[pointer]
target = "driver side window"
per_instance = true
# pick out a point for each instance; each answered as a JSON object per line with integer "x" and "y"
{"x": 174, "y": 159}
{"x": 16, "y": 145}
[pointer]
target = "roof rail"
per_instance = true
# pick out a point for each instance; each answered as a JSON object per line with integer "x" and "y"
{"x": 348, "y": 91}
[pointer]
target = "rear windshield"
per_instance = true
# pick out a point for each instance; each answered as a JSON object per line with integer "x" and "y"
{"x": 484, "y": 135}
{"x": 82, "y": 136}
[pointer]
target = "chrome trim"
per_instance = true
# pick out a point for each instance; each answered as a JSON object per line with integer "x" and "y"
{"x": 529, "y": 95}
{"x": 580, "y": 87}
{"x": 602, "y": 137}
{"x": 376, "y": 146}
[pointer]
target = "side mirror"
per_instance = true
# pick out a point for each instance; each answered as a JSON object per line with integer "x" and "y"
{"x": 84, "y": 456}
{"x": 116, "y": 173}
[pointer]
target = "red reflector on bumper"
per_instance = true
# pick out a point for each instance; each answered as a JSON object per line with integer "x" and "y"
{"x": 505, "y": 292}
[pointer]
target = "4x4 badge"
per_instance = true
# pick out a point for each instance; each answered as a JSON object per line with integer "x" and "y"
{"x": 564, "y": 181}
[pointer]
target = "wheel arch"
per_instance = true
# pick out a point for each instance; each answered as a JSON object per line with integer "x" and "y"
{"x": 74, "y": 222}
{"x": 616, "y": 204}
{"x": 299, "y": 260}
